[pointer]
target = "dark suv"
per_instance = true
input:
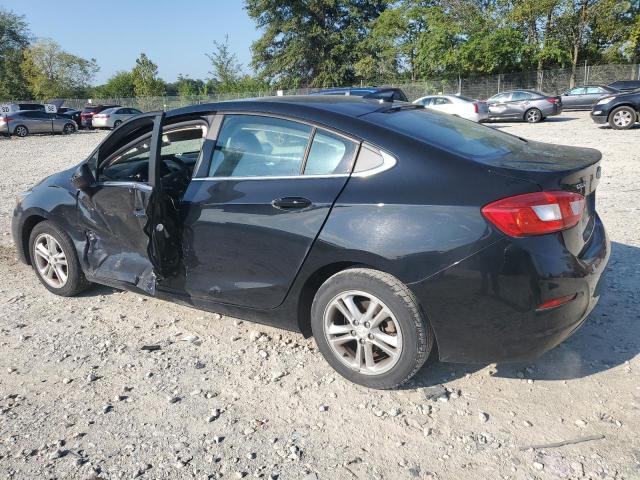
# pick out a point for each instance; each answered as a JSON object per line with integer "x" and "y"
{"x": 620, "y": 111}
{"x": 86, "y": 116}
{"x": 377, "y": 93}
{"x": 625, "y": 85}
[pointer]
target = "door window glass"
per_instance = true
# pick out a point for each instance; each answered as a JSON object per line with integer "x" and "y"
{"x": 179, "y": 152}
{"x": 576, "y": 91}
{"x": 441, "y": 101}
{"x": 257, "y": 146}
{"x": 596, "y": 90}
{"x": 520, "y": 96}
{"x": 329, "y": 154}
{"x": 501, "y": 97}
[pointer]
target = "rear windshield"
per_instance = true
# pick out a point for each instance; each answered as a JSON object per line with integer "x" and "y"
{"x": 449, "y": 132}
{"x": 90, "y": 109}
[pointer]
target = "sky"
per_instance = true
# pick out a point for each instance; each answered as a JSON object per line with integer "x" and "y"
{"x": 174, "y": 34}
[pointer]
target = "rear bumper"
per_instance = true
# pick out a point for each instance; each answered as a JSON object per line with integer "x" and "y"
{"x": 484, "y": 309}
{"x": 100, "y": 122}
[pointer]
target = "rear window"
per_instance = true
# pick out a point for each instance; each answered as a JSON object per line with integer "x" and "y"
{"x": 449, "y": 132}
{"x": 90, "y": 109}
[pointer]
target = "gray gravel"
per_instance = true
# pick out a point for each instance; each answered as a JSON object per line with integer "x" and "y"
{"x": 80, "y": 398}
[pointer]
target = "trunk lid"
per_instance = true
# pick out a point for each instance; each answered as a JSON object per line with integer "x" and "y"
{"x": 558, "y": 167}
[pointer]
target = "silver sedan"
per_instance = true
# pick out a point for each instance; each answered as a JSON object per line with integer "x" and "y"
{"x": 24, "y": 122}
{"x": 527, "y": 105}
{"x": 113, "y": 117}
{"x": 458, "y": 105}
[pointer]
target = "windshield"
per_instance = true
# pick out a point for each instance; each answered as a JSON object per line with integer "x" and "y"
{"x": 449, "y": 132}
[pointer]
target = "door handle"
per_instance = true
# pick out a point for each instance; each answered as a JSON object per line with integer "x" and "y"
{"x": 291, "y": 203}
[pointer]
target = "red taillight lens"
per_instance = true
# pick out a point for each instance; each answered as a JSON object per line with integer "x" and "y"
{"x": 556, "y": 302}
{"x": 475, "y": 107}
{"x": 5, "y": 119}
{"x": 536, "y": 213}
{"x": 552, "y": 100}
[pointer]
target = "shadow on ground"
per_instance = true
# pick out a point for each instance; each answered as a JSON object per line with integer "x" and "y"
{"x": 609, "y": 337}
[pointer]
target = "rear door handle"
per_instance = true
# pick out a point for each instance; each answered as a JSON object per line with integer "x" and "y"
{"x": 291, "y": 203}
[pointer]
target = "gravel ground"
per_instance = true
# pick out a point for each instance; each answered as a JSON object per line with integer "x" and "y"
{"x": 79, "y": 398}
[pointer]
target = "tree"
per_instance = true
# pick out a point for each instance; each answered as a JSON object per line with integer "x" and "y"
{"x": 120, "y": 85}
{"x": 145, "y": 78}
{"x": 310, "y": 42}
{"x": 226, "y": 72}
{"x": 14, "y": 39}
{"x": 51, "y": 72}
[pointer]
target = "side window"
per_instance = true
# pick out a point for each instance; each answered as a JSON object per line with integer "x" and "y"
{"x": 502, "y": 97}
{"x": 576, "y": 91}
{"x": 329, "y": 154}
{"x": 180, "y": 150}
{"x": 441, "y": 101}
{"x": 426, "y": 101}
{"x": 596, "y": 90}
{"x": 258, "y": 146}
{"x": 520, "y": 96}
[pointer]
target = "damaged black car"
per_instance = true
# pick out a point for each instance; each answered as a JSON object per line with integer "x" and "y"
{"x": 380, "y": 228}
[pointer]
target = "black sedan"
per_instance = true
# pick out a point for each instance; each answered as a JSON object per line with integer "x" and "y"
{"x": 620, "y": 111}
{"x": 382, "y": 229}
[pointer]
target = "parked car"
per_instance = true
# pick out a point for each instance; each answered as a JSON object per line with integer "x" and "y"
{"x": 583, "y": 97}
{"x": 89, "y": 111}
{"x": 113, "y": 117}
{"x": 378, "y": 228}
{"x": 464, "y": 107}
{"x": 527, "y": 105}
{"x": 621, "y": 111}
{"x": 72, "y": 114}
{"x": 625, "y": 85}
{"x": 378, "y": 93}
{"x": 25, "y": 122}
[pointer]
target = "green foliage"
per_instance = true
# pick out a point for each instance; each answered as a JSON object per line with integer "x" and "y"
{"x": 310, "y": 42}
{"x": 14, "y": 39}
{"x": 145, "y": 78}
{"x": 226, "y": 72}
{"x": 120, "y": 85}
{"x": 50, "y": 72}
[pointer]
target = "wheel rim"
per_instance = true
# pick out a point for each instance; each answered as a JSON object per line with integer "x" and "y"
{"x": 50, "y": 260}
{"x": 68, "y": 128}
{"x": 622, "y": 118}
{"x": 362, "y": 332}
{"x": 533, "y": 116}
{"x": 117, "y": 124}
{"x": 21, "y": 131}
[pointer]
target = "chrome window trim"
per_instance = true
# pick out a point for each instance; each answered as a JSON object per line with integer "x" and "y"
{"x": 129, "y": 184}
{"x": 388, "y": 162}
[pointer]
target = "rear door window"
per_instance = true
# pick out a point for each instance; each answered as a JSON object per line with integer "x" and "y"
{"x": 520, "y": 96}
{"x": 259, "y": 146}
{"x": 330, "y": 154}
{"x": 594, "y": 90}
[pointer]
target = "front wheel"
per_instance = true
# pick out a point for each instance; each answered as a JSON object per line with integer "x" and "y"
{"x": 55, "y": 261}
{"x": 533, "y": 115}
{"x": 622, "y": 118}
{"x": 370, "y": 329}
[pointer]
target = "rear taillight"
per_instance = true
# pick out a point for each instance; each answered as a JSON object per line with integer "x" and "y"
{"x": 5, "y": 119}
{"x": 476, "y": 107}
{"x": 552, "y": 99}
{"x": 536, "y": 213}
{"x": 556, "y": 302}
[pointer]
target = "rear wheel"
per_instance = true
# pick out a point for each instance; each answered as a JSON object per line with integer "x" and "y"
{"x": 117, "y": 123}
{"x": 622, "y": 118}
{"x": 68, "y": 129}
{"x": 21, "y": 131}
{"x": 369, "y": 327}
{"x": 533, "y": 115}
{"x": 55, "y": 261}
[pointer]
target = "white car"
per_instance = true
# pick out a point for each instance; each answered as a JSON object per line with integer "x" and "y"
{"x": 457, "y": 105}
{"x": 113, "y": 117}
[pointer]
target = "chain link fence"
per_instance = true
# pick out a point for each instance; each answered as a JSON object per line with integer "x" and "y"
{"x": 480, "y": 87}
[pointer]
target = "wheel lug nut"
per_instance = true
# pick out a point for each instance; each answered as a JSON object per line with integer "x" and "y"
{"x": 353, "y": 333}
{"x": 362, "y": 341}
{"x": 356, "y": 323}
{"x": 370, "y": 336}
{"x": 367, "y": 324}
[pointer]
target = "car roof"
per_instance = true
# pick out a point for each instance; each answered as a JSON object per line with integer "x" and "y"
{"x": 299, "y": 105}
{"x": 110, "y": 109}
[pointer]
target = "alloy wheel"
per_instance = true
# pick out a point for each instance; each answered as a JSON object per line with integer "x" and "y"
{"x": 21, "y": 131}
{"x": 622, "y": 118}
{"x": 50, "y": 260}
{"x": 533, "y": 116}
{"x": 68, "y": 129}
{"x": 362, "y": 332}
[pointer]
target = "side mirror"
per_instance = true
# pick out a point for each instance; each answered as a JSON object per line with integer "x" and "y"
{"x": 83, "y": 179}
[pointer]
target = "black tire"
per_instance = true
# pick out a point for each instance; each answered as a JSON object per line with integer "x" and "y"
{"x": 21, "y": 131}
{"x": 68, "y": 129}
{"x": 533, "y": 115}
{"x": 417, "y": 336}
{"x": 622, "y": 118}
{"x": 116, "y": 124}
{"x": 76, "y": 281}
